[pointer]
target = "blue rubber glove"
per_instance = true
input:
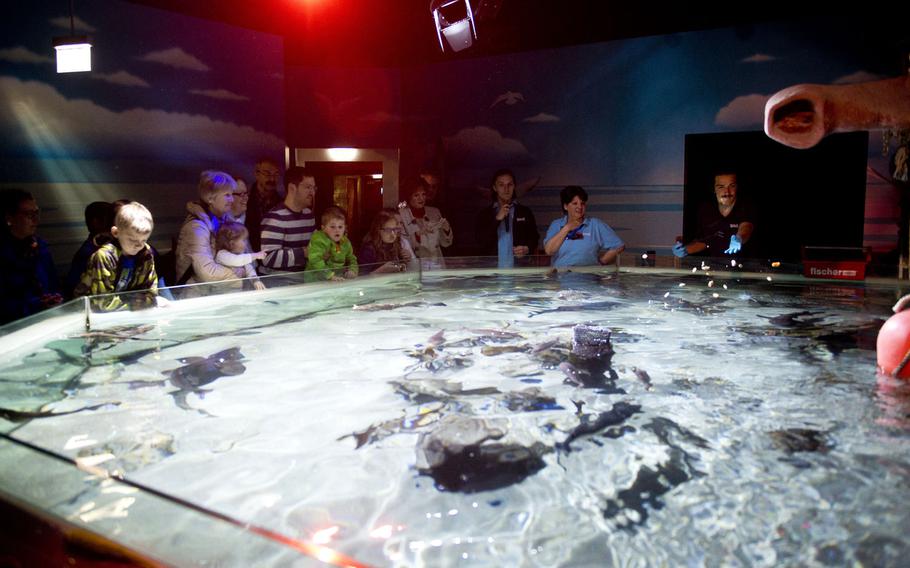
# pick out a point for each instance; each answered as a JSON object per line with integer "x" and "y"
{"x": 735, "y": 245}
{"x": 680, "y": 250}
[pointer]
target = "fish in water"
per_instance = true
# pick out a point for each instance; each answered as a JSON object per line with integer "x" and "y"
{"x": 23, "y": 415}
{"x": 591, "y": 423}
{"x": 383, "y": 307}
{"x": 643, "y": 377}
{"x": 793, "y": 319}
{"x": 604, "y": 305}
{"x": 794, "y": 440}
{"x": 197, "y": 372}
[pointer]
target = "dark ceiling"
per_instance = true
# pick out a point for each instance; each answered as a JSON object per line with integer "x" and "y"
{"x": 398, "y": 33}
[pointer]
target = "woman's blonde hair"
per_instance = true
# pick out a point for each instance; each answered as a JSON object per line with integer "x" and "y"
{"x": 212, "y": 182}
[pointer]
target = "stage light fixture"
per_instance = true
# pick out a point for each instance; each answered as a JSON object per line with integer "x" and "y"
{"x": 74, "y": 53}
{"x": 455, "y": 22}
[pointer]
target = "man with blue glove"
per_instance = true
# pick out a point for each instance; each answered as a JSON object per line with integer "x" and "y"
{"x": 725, "y": 226}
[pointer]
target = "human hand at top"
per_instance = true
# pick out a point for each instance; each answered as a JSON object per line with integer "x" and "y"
{"x": 348, "y": 274}
{"x": 503, "y": 212}
{"x": 444, "y": 225}
{"x": 572, "y": 224}
{"x": 259, "y": 255}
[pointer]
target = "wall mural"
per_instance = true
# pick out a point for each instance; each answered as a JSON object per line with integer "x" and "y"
{"x": 168, "y": 97}
{"x": 612, "y": 117}
{"x": 171, "y": 95}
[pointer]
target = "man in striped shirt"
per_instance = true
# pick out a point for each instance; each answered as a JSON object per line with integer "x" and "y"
{"x": 286, "y": 230}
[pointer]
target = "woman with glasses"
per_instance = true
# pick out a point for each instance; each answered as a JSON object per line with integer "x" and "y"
{"x": 579, "y": 240}
{"x": 382, "y": 250}
{"x": 28, "y": 282}
{"x": 241, "y": 201}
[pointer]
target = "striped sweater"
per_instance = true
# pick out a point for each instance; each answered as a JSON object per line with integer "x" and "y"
{"x": 285, "y": 236}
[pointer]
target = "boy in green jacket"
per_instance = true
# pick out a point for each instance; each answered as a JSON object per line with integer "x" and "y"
{"x": 330, "y": 255}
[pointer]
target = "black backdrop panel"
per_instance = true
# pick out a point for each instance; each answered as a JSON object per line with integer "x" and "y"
{"x": 813, "y": 197}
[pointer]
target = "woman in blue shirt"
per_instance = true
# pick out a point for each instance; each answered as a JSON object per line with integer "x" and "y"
{"x": 578, "y": 240}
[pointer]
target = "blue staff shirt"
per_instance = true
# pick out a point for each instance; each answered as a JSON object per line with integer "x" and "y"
{"x": 595, "y": 236}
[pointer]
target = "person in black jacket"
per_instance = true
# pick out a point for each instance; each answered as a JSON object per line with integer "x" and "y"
{"x": 506, "y": 228}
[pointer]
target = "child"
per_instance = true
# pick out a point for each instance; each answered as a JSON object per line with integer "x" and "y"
{"x": 231, "y": 242}
{"x": 124, "y": 265}
{"x": 383, "y": 249}
{"x": 330, "y": 250}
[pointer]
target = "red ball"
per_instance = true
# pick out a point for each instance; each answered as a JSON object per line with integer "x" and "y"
{"x": 893, "y": 344}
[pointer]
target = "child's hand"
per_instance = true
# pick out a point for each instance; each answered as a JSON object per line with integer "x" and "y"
{"x": 336, "y": 278}
{"x": 257, "y": 285}
{"x": 348, "y": 274}
{"x": 259, "y": 255}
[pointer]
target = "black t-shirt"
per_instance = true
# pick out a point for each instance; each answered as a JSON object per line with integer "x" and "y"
{"x": 715, "y": 230}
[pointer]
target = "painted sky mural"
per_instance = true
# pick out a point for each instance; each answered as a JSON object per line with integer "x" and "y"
{"x": 171, "y": 95}
{"x": 168, "y": 96}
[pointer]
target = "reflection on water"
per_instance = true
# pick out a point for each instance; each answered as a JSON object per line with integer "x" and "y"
{"x": 573, "y": 419}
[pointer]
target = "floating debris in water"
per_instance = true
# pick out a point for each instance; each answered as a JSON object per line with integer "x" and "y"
{"x": 667, "y": 295}
{"x": 710, "y": 283}
{"x": 775, "y": 264}
{"x": 682, "y": 284}
{"x": 733, "y": 262}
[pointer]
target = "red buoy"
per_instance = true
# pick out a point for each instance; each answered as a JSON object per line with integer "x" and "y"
{"x": 893, "y": 346}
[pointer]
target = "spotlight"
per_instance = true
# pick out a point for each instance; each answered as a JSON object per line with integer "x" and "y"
{"x": 454, "y": 21}
{"x": 74, "y": 53}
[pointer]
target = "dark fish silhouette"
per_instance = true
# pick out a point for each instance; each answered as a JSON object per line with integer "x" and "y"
{"x": 605, "y": 305}
{"x": 23, "y": 415}
{"x": 591, "y": 423}
{"x": 794, "y": 440}
{"x": 643, "y": 377}
{"x": 198, "y": 372}
{"x": 793, "y": 319}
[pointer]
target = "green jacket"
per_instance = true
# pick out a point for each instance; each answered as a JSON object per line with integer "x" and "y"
{"x": 325, "y": 258}
{"x": 104, "y": 275}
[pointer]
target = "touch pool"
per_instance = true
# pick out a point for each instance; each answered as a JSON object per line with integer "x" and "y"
{"x": 470, "y": 417}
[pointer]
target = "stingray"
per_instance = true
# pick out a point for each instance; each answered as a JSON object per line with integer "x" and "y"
{"x": 593, "y": 423}
{"x": 604, "y": 305}
{"x": 197, "y": 372}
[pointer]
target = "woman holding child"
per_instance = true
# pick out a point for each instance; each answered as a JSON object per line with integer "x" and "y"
{"x": 196, "y": 243}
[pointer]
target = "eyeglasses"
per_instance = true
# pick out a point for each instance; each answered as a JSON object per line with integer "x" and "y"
{"x": 267, "y": 174}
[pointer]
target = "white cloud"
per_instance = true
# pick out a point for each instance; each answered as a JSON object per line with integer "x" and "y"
{"x": 221, "y": 94}
{"x": 177, "y": 58}
{"x": 35, "y": 115}
{"x": 20, "y": 54}
{"x": 63, "y": 22}
{"x": 858, "y": 77}
{"x": 542, "y": 117}
{"x": 758, "y": 58}
{"x": 747, "y": 110}
{"x": 481, "y": 146}
{"x": 121, "y": 78}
